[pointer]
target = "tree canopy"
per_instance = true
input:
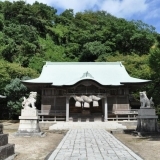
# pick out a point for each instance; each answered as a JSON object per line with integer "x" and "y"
{"x": 35, "y": 32}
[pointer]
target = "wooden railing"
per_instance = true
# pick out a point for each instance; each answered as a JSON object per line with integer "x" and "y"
{"x": 130, "y": 113}
{"x": 51, "y": 114}
{"x": 120, "y": 114}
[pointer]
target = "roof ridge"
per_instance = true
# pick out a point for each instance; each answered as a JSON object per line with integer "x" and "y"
{"x": 84, "y": 63}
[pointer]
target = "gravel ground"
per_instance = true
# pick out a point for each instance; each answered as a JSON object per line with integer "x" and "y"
{"x": 145, "y": 147}
{"x": 37, "y": 148}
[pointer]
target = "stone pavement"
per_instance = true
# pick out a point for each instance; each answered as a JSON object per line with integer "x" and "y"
{"x": 91, "y": 144}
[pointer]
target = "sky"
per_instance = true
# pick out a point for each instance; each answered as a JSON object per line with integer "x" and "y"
{"x": 146, "y": 10}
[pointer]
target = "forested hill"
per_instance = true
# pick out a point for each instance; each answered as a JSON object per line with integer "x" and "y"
{"x": 35, "y": 33}
{"x": 32, "y": 34}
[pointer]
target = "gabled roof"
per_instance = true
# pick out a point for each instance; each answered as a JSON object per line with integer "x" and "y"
{"x": 69, "y": 73}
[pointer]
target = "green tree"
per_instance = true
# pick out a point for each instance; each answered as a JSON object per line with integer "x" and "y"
{"x": 15, "y": 91}
{"x": 92, "y": 50}
{"x": 21, "y": 43}
{"x": 10, "y": 71}
{"x": 137, "y": 66}
{"x": 154, "y": 63}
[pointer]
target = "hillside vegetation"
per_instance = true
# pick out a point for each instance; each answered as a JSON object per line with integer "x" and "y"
{"x": 32, "y": 34}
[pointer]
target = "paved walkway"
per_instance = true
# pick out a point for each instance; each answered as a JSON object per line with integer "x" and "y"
{"x": 91, "y": 144}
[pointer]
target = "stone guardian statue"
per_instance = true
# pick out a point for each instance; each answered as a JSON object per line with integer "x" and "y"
{"x": 145, "y": 102}
{"x": 30, "y": 101}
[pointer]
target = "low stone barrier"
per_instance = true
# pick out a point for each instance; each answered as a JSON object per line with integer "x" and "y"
{"x": 6, "y": 149}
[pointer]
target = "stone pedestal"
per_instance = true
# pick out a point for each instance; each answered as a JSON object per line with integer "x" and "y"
{"x": 147, "y": 121}
{"x": 6, "y": 150}
{"x": 29, "y": 123}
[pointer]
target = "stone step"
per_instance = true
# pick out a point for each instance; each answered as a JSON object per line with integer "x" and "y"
{"x": 77, "y": 125}
{"x": 6, "y": 151}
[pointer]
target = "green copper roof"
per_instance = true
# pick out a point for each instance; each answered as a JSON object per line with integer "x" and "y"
{"x": 69, "y": 73}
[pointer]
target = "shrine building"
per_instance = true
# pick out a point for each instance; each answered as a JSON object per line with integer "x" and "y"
{"x": 76, "y": 90}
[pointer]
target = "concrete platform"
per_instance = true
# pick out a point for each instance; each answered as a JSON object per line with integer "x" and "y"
{"x": 110, "y": 125}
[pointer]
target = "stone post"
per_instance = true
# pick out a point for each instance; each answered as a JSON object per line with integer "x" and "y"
{"x": 6, "y": 150}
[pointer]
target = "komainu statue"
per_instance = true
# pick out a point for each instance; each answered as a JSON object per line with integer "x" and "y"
{"x": 30, "y": 101}
{"x": 145, "y": 102}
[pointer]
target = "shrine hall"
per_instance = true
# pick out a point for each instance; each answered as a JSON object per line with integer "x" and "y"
{"x": 75, "y": 91}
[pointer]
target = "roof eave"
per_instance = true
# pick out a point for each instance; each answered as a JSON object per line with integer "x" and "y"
{"x": 143, "y": 82}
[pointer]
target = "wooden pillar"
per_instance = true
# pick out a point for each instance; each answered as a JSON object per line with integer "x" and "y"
{"x": 105, "y": 109}
{"x": 54, "y": 111}
{"x": 67, "y": 109}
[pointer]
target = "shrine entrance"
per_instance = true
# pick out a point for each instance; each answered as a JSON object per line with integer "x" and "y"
{"x": 82, "y": 109}
{"x": 86, "y": 101}
{"x": 83, "y": 114}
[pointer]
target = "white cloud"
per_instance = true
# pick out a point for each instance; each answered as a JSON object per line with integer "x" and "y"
{"x": 124, "y": 8}
{"x": 76, "y": 5}
{"x": 120, "y": 8}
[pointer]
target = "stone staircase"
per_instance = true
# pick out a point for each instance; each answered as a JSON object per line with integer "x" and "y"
{"x": 110, "y": 125}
